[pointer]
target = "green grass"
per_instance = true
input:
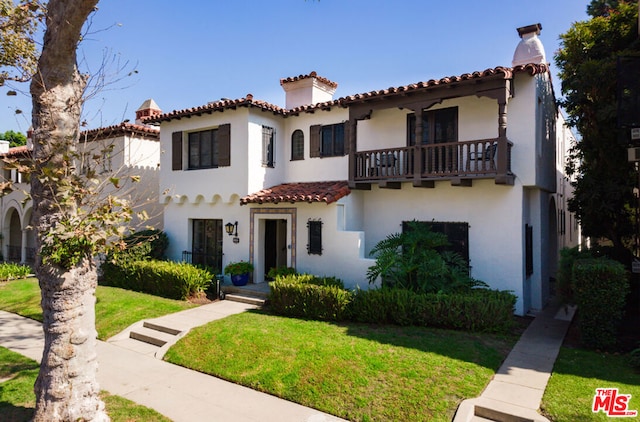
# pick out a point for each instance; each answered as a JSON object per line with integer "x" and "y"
{"x": 355, "y": 371}
{"x": 17, "y": 400}
{"x": 576, "y": 375}
{"x": 116, "y": 309}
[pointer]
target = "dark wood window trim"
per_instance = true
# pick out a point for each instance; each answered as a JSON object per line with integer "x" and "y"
{"x": 329, "y": 140}
{"x": 176, "y": 151}
{"x": 297, "y": 145}
{"x": 205, "y": 149}
{"x": 314, "y": 247}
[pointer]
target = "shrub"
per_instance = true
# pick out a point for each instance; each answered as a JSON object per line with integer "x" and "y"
{"x": 280, "y": 271}
{"x": 568, "y": 257}
{"x": 415, "y": 260}
{"x": 308, "y": 296}
{"x": 146, "y": 244}
{"x": 173, "y": 280}
{"x": 600, "y": 287}
{"x": 9, "y": 271}
{"x": 475, "y": 310}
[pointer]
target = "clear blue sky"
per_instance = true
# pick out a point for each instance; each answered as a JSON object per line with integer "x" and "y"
{"x": 189, "y": 53}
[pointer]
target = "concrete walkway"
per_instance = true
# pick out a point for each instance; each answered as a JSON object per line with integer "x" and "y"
{"x": 515, "y": 392}
{"x": 176, "y": 392}
{"x": 134, "y": 372}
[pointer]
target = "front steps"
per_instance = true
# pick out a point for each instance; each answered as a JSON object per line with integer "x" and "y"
{"x": 155, "y": 337}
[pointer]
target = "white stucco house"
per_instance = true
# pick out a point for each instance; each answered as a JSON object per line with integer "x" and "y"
{"x": 122, "y": 150}
{"x": 317, "y": 183}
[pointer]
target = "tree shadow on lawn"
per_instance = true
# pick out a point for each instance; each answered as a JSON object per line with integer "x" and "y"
{"x": 11, "y": 413}
{"x": 485, "y": 349}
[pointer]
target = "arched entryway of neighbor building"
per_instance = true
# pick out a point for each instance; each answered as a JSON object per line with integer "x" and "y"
{"x": 12, "y": 236}
{"x": 272, "y": 240}
{"x": 18, "y": 239}
{"x": 552, "y": 251}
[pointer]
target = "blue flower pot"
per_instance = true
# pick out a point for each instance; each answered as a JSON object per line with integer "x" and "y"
{"x": 240, "y": 280}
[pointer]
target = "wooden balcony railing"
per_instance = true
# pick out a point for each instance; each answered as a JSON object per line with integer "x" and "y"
{"x": 456, "y": 160}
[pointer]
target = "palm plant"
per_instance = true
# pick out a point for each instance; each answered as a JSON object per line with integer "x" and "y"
{"x": 416, "y": 259}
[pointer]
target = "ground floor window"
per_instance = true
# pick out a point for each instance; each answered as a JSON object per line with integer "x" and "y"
{"x": 456, "y": 232}
{"x": 207, "y": 243}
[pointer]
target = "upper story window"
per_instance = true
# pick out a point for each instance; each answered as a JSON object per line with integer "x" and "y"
{"x": 203, "y": 149}
{"x": 438, "y": 126}
{"x": 268, "y": 135}
{"x": 297, "y": 145}
{"x": 209, "y": 148}
{"x": 329, "y": 140}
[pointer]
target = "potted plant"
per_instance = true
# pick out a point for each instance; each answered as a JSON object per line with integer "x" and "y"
{"x": 239, "y": 272}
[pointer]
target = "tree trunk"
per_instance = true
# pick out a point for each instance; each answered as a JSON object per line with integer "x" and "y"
{"x": 66, "y": 388}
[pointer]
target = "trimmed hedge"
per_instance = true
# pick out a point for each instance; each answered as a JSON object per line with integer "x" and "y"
{"x": 307, "y": 296}
{"x": 475, "y": 310}
{"x": 325, "y": 299}
{"x": 173, "y": 280}
{"x": 600, "y": 287}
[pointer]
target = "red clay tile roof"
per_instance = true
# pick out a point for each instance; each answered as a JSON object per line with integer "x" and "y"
{"x": 248, "y": 101}
{"x": 310, "y": 75}
{"x": 121, "y": 129}
{"x": 326, "y": 192}
{"x": 15, "y": 151}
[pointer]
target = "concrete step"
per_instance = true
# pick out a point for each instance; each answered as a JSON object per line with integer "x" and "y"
{"x": 256, "y": 290}
{"x": 152, "y": 336}
{"x": 489, "y": 414}
{"x": 242, "y": 298}
{"x": 160, "y": 328}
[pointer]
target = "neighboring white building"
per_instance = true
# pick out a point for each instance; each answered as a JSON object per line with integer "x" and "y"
{"x": 317, "y": 184}
{"x": 116, "y": 151}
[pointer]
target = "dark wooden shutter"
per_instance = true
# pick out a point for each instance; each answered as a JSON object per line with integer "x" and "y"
{"x": 314, "y": 140}
{"x": 347, "y": 138}
{"x": 224, "y": 145}
{"x": 176, "y": 151}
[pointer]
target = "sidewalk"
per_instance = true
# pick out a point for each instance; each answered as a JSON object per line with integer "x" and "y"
{"x": 515, "y": 392}
{"x": 178, "y": 393}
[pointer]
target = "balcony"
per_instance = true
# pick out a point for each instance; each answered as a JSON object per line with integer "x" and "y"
{"x": 458, "y": 162}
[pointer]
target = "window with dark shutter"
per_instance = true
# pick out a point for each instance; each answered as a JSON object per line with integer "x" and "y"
{"x": 529, "y": 249}
{"x": 208, "y": 148}
{"x": 224, "y": 145}
{"x": 176, "y": 151}
{"x": 314, "y": 140}
{"x": 315, "y": 237}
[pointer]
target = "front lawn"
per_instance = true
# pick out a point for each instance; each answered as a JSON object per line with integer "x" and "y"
{"x": 116, "y": 309}
{"x": 17, "y": 399}
{"x": 576, "y": 375}
{"x": 355, "y": 371}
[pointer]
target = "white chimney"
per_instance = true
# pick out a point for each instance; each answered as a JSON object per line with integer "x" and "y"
{"x": 530, "y": 49}
{"x": 307, "y": 89}
{"x": 4, "y": 147}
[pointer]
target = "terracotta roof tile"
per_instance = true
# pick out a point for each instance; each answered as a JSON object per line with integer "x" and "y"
{"x": 248, "y": 101}
{"x": 15, "y": 151}
{"x": 214, "y": 106}
{"x": 119, "y": 130}
{"x": 310, "y": 75}
{"x": 326, "y": 192}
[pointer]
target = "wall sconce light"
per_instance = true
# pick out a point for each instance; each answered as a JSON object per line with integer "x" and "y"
{"x": 229, "y": 227}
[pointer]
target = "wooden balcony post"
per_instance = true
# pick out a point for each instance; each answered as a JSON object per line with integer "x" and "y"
{"x": 353, "y": 147}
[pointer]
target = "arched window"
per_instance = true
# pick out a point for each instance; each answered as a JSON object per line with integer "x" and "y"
{"x": 297, "y": 145}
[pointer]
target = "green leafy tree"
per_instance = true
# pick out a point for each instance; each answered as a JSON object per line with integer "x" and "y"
{"x": 15, "y": 139}
{"x": 603, "y": 199}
